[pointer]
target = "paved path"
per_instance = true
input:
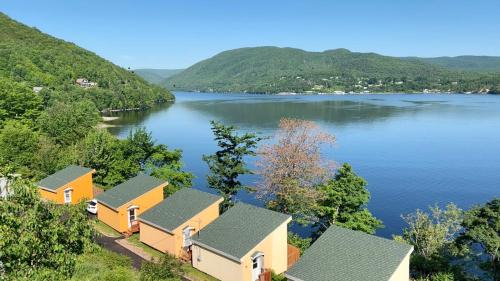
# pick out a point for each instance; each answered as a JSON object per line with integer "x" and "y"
{"x": 111, "y": 244}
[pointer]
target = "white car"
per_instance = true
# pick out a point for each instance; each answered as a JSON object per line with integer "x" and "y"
{"x": 92, "y": 206}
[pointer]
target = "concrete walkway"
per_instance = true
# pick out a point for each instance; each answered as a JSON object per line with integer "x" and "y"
{"x": 137, "y": 250}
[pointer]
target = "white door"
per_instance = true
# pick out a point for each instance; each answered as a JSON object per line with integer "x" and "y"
{"x": 257, "y": 266}
{"x": 67, "y": 196}
{"x": 131, "y": 216}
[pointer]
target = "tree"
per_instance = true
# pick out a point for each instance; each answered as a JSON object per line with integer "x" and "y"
{"x": 299, "y": 242}
{"x": 17, "y": 101}
{"x": 228, "y": 164}
{"x": 69, "y": 123}
{"x": 432, "y": 234}
{"x": 18, "y": 144}
{"x": 293, "y": 167}
{"x": 344, "y": 203}
{"x": 38, "y": 238}
{"x": 482, "y": 227}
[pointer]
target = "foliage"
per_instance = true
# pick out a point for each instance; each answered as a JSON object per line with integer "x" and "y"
{"x": 299, "y": 242}
{"x": 482, "y": 227}
{"x": 68, "y": 123}
{"x": 277, "y": 277}
{"x": 167, "y": 268}
{"x": 292, "y": 168}
{"x": 117, "y": 160}
{"x": 38, "y": 238}
{"x": 40, "y": 60}
{"x": 274, "y": 70}
{"x": 344, "y": 203}
{"x": 432, "y": 236}
{"x": 227, "y": 164}
{"x": 101, "y": 264}
{"x": 18, "y": 144}
{"x": 17, "y": 101}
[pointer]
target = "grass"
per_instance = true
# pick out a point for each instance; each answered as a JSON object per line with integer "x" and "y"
{"x": 189, "y": 271}
{"x": 105, "y": 265}
{"x": 105, "y": 229}
{"x": 196, "y": 275}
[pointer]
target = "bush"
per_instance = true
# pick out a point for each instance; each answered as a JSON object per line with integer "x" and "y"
{"x": 167, "y": 268}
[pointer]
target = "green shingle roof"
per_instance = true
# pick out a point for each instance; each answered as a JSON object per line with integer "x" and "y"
{"x": 178, "y": 208}
{"x": 131, "y": 189}
{"x": 345, "y": 255}
{"x": 62, "y": 177}
{"x": 239, "y": 230}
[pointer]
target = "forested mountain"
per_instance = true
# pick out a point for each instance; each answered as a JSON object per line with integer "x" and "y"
{"x": 467, "y": 63}
{"x": 273, "y": 70}
{"x": 35, "y": 59}
{"x": 156, "y": 76}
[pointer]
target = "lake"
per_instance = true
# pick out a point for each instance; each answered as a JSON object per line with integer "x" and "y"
{"x": 414, "y": 150}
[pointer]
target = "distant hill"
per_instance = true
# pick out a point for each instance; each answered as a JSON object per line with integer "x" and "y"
{"x": 40, "y": 60}
{"x": 156, "y": 76}
{"x": 467, "y": 63}
{"x": 273, "y": 70}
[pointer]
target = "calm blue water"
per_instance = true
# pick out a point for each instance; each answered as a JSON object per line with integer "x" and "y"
{"x": 414, "y": 150}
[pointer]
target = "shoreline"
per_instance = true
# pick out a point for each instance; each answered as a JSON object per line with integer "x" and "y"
{"x": 342, "y": 93}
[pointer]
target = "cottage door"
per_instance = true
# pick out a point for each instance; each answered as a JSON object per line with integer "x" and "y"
{"x": 186, "y": 236}
{"x": 131, "y": 216}
{"x": 257, "y": 265}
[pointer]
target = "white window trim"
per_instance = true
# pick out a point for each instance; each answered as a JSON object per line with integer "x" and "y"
{"x": 70, "y": 195}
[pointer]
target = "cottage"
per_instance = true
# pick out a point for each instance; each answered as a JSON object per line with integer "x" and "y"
{"x": 67, "y": 186}
{"x": 344, "y": 255}
{"x": 242, "y": 244}
{"x": 120, "y": 206}
{"x": 168, "y": 226}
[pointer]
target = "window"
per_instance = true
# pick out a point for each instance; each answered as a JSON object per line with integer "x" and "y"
{"x": 67, "y": 196}
{"x": 255, "y": 264}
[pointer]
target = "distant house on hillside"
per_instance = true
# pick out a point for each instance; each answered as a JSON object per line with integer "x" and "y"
{"x": 84, "y": 83}
{"x": 37, "y": 89}
{"x": 346, "y": 255}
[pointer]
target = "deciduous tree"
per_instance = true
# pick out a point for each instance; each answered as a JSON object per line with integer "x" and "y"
{"x": 293, "y": 167}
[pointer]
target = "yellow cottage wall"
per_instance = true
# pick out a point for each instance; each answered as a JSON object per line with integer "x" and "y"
{"x": 118, "y": 219}
{"x": 82, "y": 190}
{"x": 172, "y": 243}
{"x": 274, "y": 247}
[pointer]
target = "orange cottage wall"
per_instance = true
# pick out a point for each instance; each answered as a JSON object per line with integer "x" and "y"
{"x": 82, "y": 190}
{"x": 118, "y": 219}
{"x": 172, "y": 242}
{"x": 274, "y": 247}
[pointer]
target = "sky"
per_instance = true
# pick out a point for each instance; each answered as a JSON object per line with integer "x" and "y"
{"x": 176, "y": 34}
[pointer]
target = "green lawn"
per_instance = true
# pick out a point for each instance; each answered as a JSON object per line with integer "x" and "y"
{"x": 102, "y": 264}
{"x": 190, "y": 272}
{"x": 105, "y": 229}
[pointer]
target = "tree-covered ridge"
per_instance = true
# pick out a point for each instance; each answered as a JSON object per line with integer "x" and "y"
{"x": 466, "y": 63}
{"x": 273, "y": 70}
{"x": 40, "y": 60}
{"x": 156, "y": 76}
